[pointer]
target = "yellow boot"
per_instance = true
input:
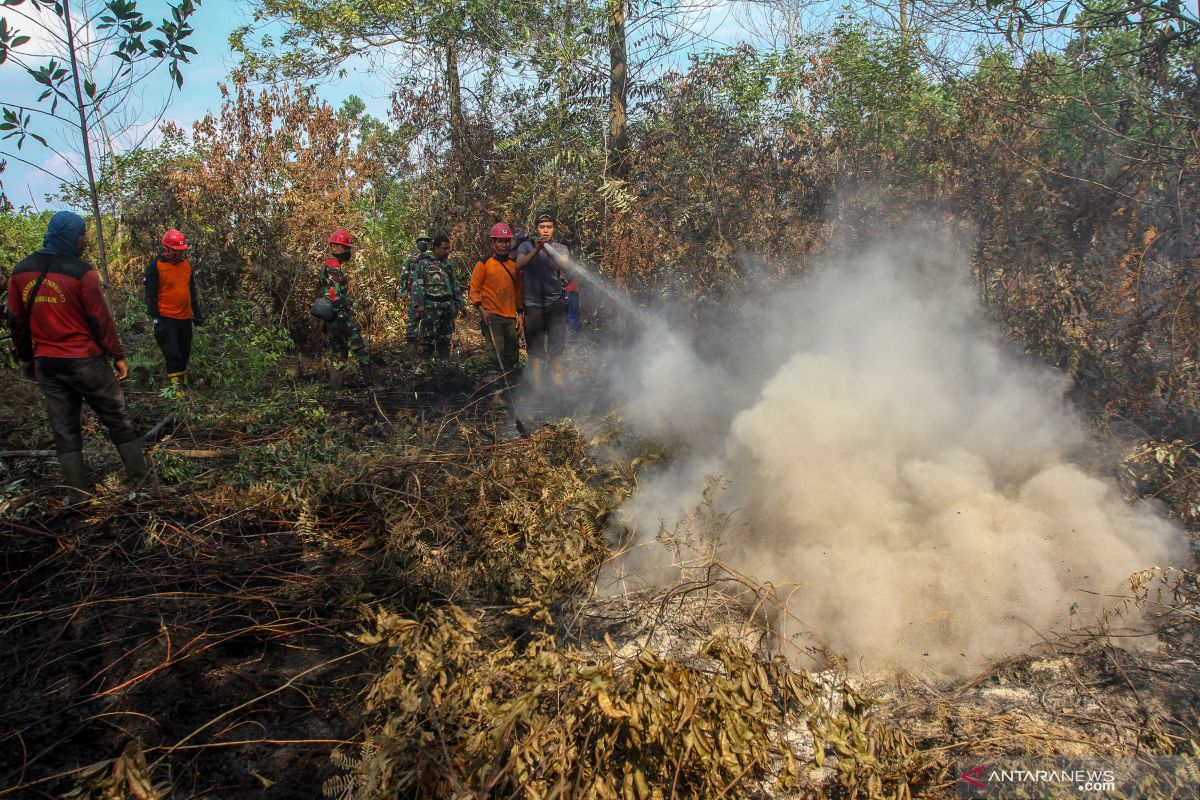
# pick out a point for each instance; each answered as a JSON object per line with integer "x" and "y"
{"x": 177, "y": 383}
{"x": 558, "y": 373}
{"x": 535, "y": 374}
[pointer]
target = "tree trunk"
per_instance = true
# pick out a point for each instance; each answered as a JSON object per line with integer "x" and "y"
{"x": 618, "y": 95}
{"x": 119, "y": 185}
{"x": 904, "y": 15}
{"x": 87, "y": 146}
{"x": 457, "y": 125}
{"x": 110, "y": 147}
{"x": 564, "y": 73}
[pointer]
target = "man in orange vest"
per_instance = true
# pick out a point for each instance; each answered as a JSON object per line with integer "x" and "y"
{"x": 172, "y": 303}
{"x": 498, "y": 292}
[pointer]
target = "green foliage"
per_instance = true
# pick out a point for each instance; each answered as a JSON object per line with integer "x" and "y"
{"x": 878, "y": 97}
{"x": 296, "y": 406}
{"x": 121, "y": 32}
{"x": 285, "y": 462}
{"x": 239, "y": 349}
{"x": 14, "y": 499}
{"x": 1117, "y": 100}
{"x": 319, "y": 35}
{"x": 172, "y": 468}
{"x": 111, "y": 43}
{"x": 20, "y": 234}
{"x": 130, "y": 186}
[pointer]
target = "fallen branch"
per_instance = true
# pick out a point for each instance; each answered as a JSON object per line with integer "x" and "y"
{"x": 196, "y": 453}
{"x": 155, "y": 433}
{"x": 184, "y": 453}
{"x": 27, "y": 453}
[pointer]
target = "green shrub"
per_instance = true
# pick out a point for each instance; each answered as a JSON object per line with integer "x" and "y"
{"x": 239, "y": 349}
{"x": 20, "y": 235}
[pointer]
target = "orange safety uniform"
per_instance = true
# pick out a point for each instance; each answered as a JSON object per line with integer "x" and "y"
{"x": 171, "y": 290}
{"x": 498, "y": 286}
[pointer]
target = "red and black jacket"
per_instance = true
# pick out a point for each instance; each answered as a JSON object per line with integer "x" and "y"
{"x": 69, "y": 318}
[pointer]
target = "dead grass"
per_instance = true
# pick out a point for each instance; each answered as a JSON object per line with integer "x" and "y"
{"x": 418, "y": 599}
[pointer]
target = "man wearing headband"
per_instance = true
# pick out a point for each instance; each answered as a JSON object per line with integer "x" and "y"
{"x": 542, "y": 262}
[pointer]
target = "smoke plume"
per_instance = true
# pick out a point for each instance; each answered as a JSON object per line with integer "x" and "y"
{"x": 881, "y": 450}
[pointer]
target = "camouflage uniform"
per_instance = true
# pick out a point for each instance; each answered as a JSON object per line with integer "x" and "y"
{"x": 343, "y": 332}
{"x": 435, "y": 288}
{"x": 411, "y": 322}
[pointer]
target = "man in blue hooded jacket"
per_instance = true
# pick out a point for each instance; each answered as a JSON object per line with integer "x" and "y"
{"x": 65, "y": 337}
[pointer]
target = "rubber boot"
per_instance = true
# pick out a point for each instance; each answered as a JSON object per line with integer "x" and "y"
{"x": 177, "y": 383}
{"x": 443, "y": 352}
{"x": 72, "y": 468}
{"x": 134, "y": 459}
{"x": 558, "y": 373}
{"x": 368, "y": 375}
{"x": 535, "y": 375}
{"x": 335, "y": 379}
{"x": 185, "y": 379}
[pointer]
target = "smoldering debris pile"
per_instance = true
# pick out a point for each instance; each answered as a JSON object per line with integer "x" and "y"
{"x": 873, "y": 449}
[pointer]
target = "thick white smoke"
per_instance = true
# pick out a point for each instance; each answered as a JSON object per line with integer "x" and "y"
{"x": 885, "y": 452}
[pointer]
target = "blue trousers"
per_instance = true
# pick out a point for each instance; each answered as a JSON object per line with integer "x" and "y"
{"x": 574, "y": 320}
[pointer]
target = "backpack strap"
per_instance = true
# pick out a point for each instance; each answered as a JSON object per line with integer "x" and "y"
{"x": 37, "y": 285}
{"x": 511, "y": 277}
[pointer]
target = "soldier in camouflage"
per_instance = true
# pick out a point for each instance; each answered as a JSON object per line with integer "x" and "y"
{"x": 342, "y": 330}
{"x": 436, "y": 298}
{"x": 412, "y": 333}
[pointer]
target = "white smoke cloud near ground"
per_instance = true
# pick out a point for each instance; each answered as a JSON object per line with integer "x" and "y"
{"x": 886, "y": 454}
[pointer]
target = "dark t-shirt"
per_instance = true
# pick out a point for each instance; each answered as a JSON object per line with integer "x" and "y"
{"x": 542, "y": 283}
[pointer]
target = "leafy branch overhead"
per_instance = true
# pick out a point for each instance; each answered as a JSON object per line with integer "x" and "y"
{"x": 123, "y": 27}
{"x": 96, "y": 62}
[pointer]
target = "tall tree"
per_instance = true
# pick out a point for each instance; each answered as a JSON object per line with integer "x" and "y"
{"x": 413, "y": 39}
{"x": 93, "y": 58}
{"x": 618, "y": 95}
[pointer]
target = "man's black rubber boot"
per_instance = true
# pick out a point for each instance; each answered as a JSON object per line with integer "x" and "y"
{"x": 74, "y": 477}
{"x": 134, "y": 459}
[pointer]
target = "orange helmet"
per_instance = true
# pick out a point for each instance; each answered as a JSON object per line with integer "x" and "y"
{"x": 174, "y": 239}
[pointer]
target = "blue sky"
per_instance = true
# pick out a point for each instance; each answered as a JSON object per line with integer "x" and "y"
{"x": 718, "y": 23}
{"x": 213, "y": 22}
{"x": 713, "y": 23}
{"x": 27, "y": 185}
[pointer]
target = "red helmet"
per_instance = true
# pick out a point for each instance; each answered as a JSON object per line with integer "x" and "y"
{"x": 340, "y": 236}
{"x": 501, "y": 231}
{"x": 174, "y": 240}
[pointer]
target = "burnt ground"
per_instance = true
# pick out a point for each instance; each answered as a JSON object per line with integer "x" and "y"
{"x": 210, "y": 634}
{"x": 201, "y": 619}
{"x": 212, "y": 621}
